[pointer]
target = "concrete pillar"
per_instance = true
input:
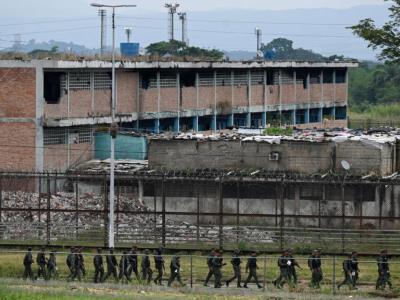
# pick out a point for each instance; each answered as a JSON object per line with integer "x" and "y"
{"x": 320, "y": 118}
{"x": 92, "y": 91}
{"x": 297, "y": 202}
{"x": 322, "y": 86}
{"x": 157, "y": 125}
{"x": 248, "y": 119}
{"x": 178, "y": 128}
{"x": 214, "y": 122}
{"x": 196, "y": 124}
{"x": 294, "y": 117}
{"x": 307, "y": 116}
{"x": 233, "y": 95}
{"x": 176, "y": 124}
{"x": 264, "y": 119}
{"x": 230, "y": 120}
{"x": 334, "y": 112}
{"x": 158, "y": 101}
{"x": 140, "y": 191}
{"x": 39, "y": 143}
{"x": 334, "y": 94}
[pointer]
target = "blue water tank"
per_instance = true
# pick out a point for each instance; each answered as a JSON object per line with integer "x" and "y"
{"x": 129, "y": 49}
{"x": 126, "y": 146}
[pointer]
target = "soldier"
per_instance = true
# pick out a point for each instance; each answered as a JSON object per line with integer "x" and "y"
{"x": 52, "y": 266}
{"x": 160, "y": 267}
{"x": 123, "y": 267}
{"x": 98, "y": 267}
{"x": 111, "y": 266}
{"x": 383, "y": 271}
{"x": 28, "y": 261}
{"x": 78, "y": 265}
{"x": 41, "y": 261}
{"x": 147, "y": 272}
{"x": 292, "y": 267}
{"x": 81, "y": 262}
{"x": 252, "y": 267}
{"x": 350, "y": 269}
{"x": 210, "y": 267}
{"x": 283, "y": 278}
{"x": 71, "y": 262}
{"x": 235, "y": 261}
{"x": 133, "y": 263}
{"x": 175, "y": 268}
{"x": 314, "y": 263}
{"x": 217, "y": 264}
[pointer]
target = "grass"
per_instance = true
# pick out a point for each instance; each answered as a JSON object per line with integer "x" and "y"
{"x": 11, "y": 267}
{"x": 383, "y": 113}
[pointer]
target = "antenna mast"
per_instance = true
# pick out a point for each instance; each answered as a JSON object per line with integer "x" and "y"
{"x": 172, "y": 8}
{"x": 183, "y": 18}
{"x": 258, "y": 33}
{"x": 103, "y": 30}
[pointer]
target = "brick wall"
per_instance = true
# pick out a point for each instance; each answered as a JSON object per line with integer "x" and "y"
{"x": 272, "y": 95}
{"x": 287, "y": 91}
{"x": 329, "y": 92}
{"x": 240, "y": 96}
{"x": 17, "y": 92}
{"x": 56, "y": 156}
{"x": 301, "y": 94}
{"x": 169, "y": 99}
{"x": 341, "y": 92}
{"x": 224, "y": 96}
{"x": 206, "y": 97}
{"x": 127, "y": 83}
{"x": 257, "y": 95}
{"x": 17, "y": 146}
{"x": 148, "y": 100}
{"x": 188, "y": 98}
{"x": 315, "y": 93}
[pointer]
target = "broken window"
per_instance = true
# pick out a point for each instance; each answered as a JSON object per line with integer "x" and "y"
{"x": 52, "y": 87}
{"x": 187, "y": 78}
{"x": 315, "y": 77}
{"x": 328, "y": 76}
{"x": 341, "y": 76}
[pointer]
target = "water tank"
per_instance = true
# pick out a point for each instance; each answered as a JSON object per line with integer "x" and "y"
{"x": 129, "y": 49}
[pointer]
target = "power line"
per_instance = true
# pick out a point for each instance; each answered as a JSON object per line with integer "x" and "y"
{"x": 47, "y": 22}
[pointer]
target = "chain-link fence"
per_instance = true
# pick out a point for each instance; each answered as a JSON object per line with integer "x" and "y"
{"x": 201, "y": 213}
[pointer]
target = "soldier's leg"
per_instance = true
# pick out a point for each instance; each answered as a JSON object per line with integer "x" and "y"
{"x": 239, "y": 277}
{"x": 256, "y": 278}
{"x": 171, "y": 278}
{"x": 247, "y": 279}
{"x": 209, "y": 275}
{"x": 294, "y": 276}
{"x": 150, "y": 276}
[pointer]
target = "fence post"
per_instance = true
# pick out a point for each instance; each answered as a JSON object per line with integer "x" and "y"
{"x": 76, "y": 209}
{"x": 265, "y": 273}
{"x": 48, "y": 210}
{"x": 282, "y": 214}
{"x": 191, "y": 270}
{"x": 343, "y": 217}
{"x": 334, "y": 275}
{"x": 39, "y": 208}
{"x": 105, "y": 214}
{"x": 1, "y": 197}
{"x": 198, "y": 216}
{"x": 163, "y": 231}
{"x": 221, "y": 214}
{"x": 155, "y": 212}
{"x": 237, "y": 211}
{"x": 117, "y": 209}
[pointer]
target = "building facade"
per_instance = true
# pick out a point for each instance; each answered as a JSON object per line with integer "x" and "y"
{"x": 50, "y": 109}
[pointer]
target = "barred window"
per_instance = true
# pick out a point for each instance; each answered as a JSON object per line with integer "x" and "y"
{"x": 257, "y": 77}
{"x": 79, "y": 81}
{"x": 67, "y": 135}
{"x": 206, "y": 79}
{"x": 102, "y": 80}
{"x": 241, "y": 78}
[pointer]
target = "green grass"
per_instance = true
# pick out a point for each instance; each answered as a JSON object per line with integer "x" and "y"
{"x": 378, "y": 113}
{"x": 11, "y": 267}
{"x": 278, "y": 131}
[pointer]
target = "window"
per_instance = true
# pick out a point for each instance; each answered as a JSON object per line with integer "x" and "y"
{"x": 67, "y": 135}
{"x": 52, "y": 86}
{"x": 341, "y": 76}
{"x": 328, "y": 76}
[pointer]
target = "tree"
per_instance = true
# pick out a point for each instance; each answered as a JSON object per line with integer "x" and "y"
{"x": 177, "y": 48}
{"x": 387, "y": 37}
{"x": 282, "y": 49}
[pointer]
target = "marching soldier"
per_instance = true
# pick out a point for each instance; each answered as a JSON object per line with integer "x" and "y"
{"x": 252, "y": 267}
{"x": 283, "y": 264}
{"x": 78, "y": 265}
{"x": 71, "y": 262}
{"x": 98, "y": 267}
{"x": 147, "y": 272}
{"x": 217, "y": 264}
{"x": 292, "y": 267}
{"x": 383, "y": 271}
{"x": 111, "y": 266}
{"x": 133, "y": 263}
{"x": 160, "y": 267}
{"x": 235, "y": 261}
{"x": 28, "y": 261}
{"x": 314, "y": 263}
{"x": 210, "y": 267}
{"x": 123, "y": 267}
{"x": 175, "y": 268}
{"x": 350, "y": 269}
{"x": 81, "y": 262}
{"x": 41, "y": 261}
{"x": 52, "y": 266}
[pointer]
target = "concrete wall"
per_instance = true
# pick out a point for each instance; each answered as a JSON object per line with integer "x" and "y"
{"x": 294, "y": 156}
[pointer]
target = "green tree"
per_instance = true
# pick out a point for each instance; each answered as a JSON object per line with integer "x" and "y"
{"x": 177, "y": 48}
{"x": 385, "y": 38}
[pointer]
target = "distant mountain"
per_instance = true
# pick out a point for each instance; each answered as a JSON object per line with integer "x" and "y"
{"x": 322, "y": 30}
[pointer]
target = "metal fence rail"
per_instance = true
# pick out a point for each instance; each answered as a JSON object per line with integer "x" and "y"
{"x": 199, "y": 213}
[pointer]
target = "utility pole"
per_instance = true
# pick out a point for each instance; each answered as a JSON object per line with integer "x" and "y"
{"x": 172, "y": 8}
{"x": 128, "y": 32}
{"x": 258, "y": 33}
{"x": 114, "y": 126}
{"x": 103, "y": 29}
{"x": 183, "y": 18}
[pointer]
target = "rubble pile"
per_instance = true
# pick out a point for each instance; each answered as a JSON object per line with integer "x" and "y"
{"x": 29, "y": 224}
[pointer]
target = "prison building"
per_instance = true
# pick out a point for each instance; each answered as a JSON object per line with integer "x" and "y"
{"x": 50, "y": 109}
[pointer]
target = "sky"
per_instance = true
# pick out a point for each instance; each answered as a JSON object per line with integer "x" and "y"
{"x": 28, "y": 18}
